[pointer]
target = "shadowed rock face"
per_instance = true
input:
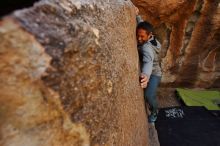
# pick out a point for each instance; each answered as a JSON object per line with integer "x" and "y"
{"x": 69, "y": 75}
{"x": 190, "y": 35}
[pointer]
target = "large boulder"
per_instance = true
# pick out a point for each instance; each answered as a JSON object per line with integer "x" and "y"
{"x": 190, "y": 35}
{"x": 70, "y": 75}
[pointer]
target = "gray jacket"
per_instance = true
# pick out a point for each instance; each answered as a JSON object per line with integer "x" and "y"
{"x": 149, "y": 56}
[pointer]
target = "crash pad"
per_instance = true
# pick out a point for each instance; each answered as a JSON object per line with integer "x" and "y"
{"x": 209, "y": 99}
{"x": 187, "y": 126}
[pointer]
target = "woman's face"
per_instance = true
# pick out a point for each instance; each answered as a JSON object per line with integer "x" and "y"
{"x": 142, "y": 36}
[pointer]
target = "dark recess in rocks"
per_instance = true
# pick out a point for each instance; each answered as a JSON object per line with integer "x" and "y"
{"x": 9, "y": 6}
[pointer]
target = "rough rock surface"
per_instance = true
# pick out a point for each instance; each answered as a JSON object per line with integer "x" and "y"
{"x": 69, "y": 76}
{"x": 190, "y": 34}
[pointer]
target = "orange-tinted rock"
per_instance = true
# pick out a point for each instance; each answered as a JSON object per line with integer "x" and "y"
{"x": 189, "y": 32}
{"x": 31, "y": 113}
{"x": 69, "y": 76}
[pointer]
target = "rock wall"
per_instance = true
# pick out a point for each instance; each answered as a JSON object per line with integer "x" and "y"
{"x": 190, "y": 35}
{"x": 69, "y": 75}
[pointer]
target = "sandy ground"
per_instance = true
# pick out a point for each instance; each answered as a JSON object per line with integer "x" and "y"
{"x": 167, "y": 97}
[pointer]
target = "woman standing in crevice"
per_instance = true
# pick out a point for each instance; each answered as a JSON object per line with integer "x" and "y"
{"x": 149, "y": 49}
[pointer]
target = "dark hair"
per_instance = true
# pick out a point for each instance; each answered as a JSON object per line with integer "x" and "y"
{"x": 146, "y": 26}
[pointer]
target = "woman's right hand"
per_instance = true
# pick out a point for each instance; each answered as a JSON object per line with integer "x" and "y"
{"x": 143, "y": 80}
{"x": 136, "y": 10}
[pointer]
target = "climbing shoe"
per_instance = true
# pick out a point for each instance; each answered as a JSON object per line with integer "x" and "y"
{"x": 152, "y": 118}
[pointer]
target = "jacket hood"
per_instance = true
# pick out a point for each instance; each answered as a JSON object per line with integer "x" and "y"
{"x": 155, "y": 43}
